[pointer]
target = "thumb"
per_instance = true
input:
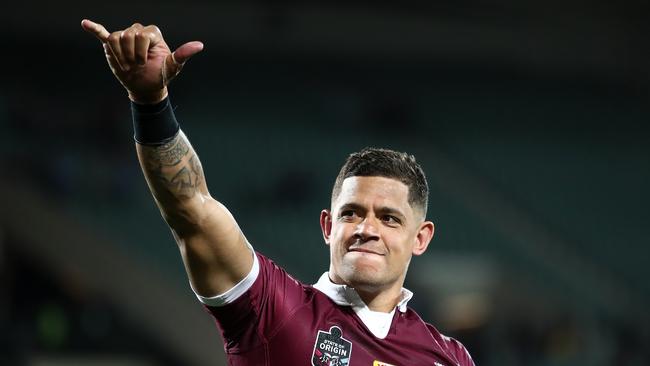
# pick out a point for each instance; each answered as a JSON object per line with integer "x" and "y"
{"x": 184, "y": 52}
{"x": 174, "y": 62}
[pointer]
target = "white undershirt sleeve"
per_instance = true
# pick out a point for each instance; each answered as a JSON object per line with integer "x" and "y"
{"x": 236, "y": 291}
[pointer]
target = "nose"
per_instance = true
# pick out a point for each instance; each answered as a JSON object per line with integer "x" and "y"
{"x": 366, "y": 230}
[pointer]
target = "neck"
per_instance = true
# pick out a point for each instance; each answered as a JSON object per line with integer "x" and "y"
{"x": 377, "y": 298}
{"x": 382, "y": 301}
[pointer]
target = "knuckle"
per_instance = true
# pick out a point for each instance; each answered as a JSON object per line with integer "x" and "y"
{"x": 127, "y": 35}
{"x": 115, "y": 36}
{"x": 148, "y": 32}
{"x": 154, "y": 29}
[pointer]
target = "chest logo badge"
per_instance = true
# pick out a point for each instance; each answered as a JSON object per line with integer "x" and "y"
{"x": 331, "y": 349}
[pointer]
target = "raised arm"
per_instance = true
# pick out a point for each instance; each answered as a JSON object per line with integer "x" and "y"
{"x": 214, "y": 250}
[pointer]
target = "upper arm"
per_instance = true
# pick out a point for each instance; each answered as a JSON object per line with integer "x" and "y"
{"x": 215, "y": 252}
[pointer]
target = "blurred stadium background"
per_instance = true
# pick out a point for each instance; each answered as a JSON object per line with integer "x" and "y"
{"x": 530, "y": 119}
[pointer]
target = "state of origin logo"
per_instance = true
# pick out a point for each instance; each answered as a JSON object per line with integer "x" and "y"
{"x": 331, "y": 349}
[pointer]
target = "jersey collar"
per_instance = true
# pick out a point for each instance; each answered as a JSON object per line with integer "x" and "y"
{"x": 348, "y": 296}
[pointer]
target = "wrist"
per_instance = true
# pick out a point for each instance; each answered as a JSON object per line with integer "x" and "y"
{"x": 154, "y": 124}
{"x": 149, "y": 98}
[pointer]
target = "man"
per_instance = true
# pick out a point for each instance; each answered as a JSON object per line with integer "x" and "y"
{"x": 356, "y": 313}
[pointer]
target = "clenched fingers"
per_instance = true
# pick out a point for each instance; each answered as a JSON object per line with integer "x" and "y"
{"x": 112, "y": 61}
{"x": 141, "y": 47}
{"x": 115, "y": 45}
{"x": 144, "y": 39}
{"x": 127, "y": 44}
{"x": 131, "y": 46}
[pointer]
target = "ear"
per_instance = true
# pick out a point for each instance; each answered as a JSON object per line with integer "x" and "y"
{"x": 326, "y": 225}
{"x": 423, "y": 237}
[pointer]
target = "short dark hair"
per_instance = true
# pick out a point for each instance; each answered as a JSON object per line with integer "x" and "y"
{"x": 376, "y": 162}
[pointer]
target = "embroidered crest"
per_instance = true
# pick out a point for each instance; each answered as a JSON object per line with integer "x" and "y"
{"x": 379, "y": 363}
{"x": 331, "y": 349}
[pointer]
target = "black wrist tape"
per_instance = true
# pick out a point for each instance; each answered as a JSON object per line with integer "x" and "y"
{"x": 154, "y": 124}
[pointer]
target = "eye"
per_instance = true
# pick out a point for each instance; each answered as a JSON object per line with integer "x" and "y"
{"x": 391, "y": 220}
{"x": 347, "y": 214}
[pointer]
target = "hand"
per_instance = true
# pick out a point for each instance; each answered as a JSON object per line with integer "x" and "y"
{"x": 141, "y": 60}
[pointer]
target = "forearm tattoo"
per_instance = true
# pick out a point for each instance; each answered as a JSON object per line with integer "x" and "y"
{"x": 173, "y": 169}
{"x": 172, "y": 153}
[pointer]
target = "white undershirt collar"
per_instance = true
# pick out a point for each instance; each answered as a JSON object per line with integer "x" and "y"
{"x": 377, "y": 322}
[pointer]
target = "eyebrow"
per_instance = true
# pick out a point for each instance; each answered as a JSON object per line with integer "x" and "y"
{"x": 384, "y": 209}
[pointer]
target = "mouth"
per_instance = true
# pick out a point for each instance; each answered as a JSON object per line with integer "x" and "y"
{"x": 364, "y": 250}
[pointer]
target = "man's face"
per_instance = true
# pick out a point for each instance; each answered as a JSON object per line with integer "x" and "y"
{"x": 373, "y": 231}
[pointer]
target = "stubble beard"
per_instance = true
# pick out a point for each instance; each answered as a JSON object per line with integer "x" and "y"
{"x": 363, "y": 276}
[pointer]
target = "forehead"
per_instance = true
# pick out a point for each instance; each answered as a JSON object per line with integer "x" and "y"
{"x": 373, "y": 190}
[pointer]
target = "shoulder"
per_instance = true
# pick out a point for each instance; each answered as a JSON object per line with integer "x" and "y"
{"x": 274, "y": 275}
{"x": 450, "y": 345}
{"x": 261, "y": 310}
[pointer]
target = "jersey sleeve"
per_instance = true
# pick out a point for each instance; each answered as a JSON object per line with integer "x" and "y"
{"x": 461, "y": 353}
{"x": 236, "y": 291}
{"x": 251, "y": 318}
{"x": 452, "y": 347}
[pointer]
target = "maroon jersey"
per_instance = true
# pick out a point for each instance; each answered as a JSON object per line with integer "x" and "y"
{"x": 280, "y": 321}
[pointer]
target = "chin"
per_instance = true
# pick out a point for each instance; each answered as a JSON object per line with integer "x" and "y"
{"x": 363, "y": 275}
